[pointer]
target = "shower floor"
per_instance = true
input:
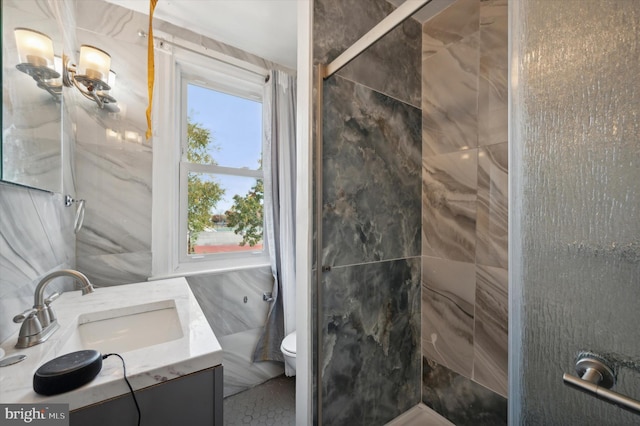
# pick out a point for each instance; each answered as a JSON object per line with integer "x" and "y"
{"x": 274, "y": 403}
{"x": 271, "y": 403}
{"x": 420, "y": 415}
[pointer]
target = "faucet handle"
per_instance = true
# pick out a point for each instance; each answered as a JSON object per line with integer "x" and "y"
{"x": 31, "y": 328}
{"x": 47, "y": 302}
{"x": 29, "y": 313}
{"x": 51, "y": 298}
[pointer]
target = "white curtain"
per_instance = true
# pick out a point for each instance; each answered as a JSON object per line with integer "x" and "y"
{"x": 279, "y": 165}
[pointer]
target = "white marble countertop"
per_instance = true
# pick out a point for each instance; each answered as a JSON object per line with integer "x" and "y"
{"x": 196, "y": 350}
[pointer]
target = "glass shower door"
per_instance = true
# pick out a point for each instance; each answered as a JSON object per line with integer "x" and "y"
{"x": 575, "y": 206}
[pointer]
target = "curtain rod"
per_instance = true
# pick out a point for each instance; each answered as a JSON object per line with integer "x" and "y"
{"x": 395, "y": 18}
{"x": 264, "y": 73}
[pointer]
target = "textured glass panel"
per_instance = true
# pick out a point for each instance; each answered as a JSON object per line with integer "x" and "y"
{"x": 575, "y": 204}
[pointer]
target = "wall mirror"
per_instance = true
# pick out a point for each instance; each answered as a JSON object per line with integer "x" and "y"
{"x": 31, "y": 147}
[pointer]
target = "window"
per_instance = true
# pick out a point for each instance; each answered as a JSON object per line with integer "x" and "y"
{"x": 217, "y": 209}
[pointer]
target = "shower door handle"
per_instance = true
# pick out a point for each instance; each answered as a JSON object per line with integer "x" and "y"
{"x": 596, "y": 378}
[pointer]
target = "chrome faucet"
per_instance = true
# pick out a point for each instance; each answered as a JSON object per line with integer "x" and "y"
{"x": 40, "y": 322}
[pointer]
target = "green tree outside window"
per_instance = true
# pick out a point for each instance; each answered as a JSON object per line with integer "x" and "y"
{"x": 203, "y": 195}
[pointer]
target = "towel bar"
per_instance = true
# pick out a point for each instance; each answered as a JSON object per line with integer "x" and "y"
{"x": 596, "y": 378}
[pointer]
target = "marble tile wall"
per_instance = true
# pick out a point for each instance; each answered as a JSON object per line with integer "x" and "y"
{"x": 371, "y": 175}
{"x": 371, "y": 230}
{"x": 461, "y": 400}
{"x": 371, "y": 352}
{"x": 113, "y": 159}
{"x": 337, "y": 24}
{"x": 236, "y": 323}
{"x": 36, "y": 237}
{"x": 465, "y": 210}
{"x": 221, "y": 296}
{"x": 370, "y": 299}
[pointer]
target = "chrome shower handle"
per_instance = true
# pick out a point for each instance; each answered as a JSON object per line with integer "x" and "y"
{"x": 596, "y": 378}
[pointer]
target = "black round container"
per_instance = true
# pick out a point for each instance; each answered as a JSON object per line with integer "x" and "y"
{"x": 67, "y": 372}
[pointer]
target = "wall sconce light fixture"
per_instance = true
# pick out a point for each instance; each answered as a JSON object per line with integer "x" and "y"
{"x": 91, "y": 76}
{"x": 35, "y": 56}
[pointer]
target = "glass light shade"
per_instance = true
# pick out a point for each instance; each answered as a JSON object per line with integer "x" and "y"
{"x": 112, "y": 79}
{"x": 94, "y": 63}
{"x": 34, "y": 47}
{"x": 57, "y": 66}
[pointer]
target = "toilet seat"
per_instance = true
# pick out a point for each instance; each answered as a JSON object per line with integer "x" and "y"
{"x": 288, "y": 345}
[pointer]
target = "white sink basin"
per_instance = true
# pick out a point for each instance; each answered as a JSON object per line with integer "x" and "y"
{"x": 126, "y": 329}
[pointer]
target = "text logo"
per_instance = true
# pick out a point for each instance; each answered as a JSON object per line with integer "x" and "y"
{"x": 34, "y": 414}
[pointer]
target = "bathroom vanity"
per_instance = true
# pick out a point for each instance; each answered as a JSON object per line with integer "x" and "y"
{"x": 173, "y": 359}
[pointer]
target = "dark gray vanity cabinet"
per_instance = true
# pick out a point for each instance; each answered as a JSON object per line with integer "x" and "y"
{"x": 194, "y": 400}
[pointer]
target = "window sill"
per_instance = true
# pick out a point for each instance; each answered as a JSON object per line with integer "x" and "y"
{"x": 188, "y": 270}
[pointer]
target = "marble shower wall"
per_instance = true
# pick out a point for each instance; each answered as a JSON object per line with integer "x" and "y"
{"x": 391, "y": 66}
{"x": 464, "y": 211}
{"x": 370, "y": 299}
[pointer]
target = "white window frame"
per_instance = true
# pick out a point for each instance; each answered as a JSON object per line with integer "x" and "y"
{"x": 174, "y": 71}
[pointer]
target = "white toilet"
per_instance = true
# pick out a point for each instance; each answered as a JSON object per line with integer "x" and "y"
{"x": 288, "y": 348}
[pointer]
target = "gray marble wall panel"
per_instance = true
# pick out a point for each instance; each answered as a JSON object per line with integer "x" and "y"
{"x": 450, "y": 98}
{"x": 221, "y": 297}
{"x": 494, "y": 71}
{"x": 450, "y": 26}
{"x": 490, "y": 338}
{"x": 391, "y": 66}
{"x": 371, "y": 216}
{"x": 115, "y": 269}
{"x": 240, "y": 372}
{"x": 462, "y": 401}
{"x": 448, "y": 304}
{"x": 492, "y": 214}
{"x": 372, "y": 343}
{"x": 236, "y": 323}
{"x": 449, "y": 204}
{"x": 36, "y": 237}
{"x": 115, "y": 181}
{"x": 371, "y": 175}
{"x": 465, "y": 203}
{"x": 113, "y": 158}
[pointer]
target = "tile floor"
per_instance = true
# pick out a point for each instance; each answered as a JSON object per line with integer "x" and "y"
{"x": 271, "y": 403}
